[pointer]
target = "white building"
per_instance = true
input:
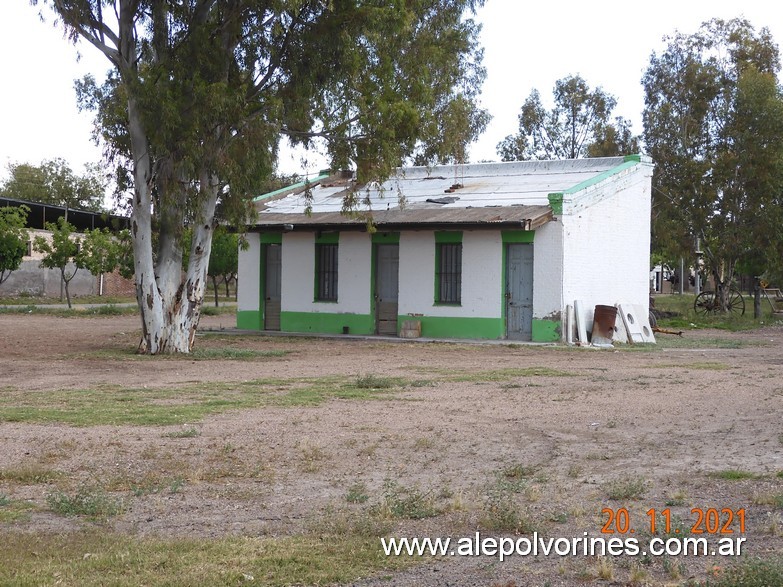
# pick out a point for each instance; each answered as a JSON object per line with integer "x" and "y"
{"x": 489, "y": 251}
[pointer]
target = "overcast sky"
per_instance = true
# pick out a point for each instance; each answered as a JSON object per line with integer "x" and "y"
{"x": 527, "y": 45}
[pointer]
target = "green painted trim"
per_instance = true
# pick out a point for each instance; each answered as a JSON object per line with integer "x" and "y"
{"x": 547, "y": 330}
{"x": 327, "y": 238}
{"x": 448, "y": 237}
{"x": 324, "y": 174}
{"x": 386, "y": 238}
{"x": 518, "y": 236}
{"x": 637, "y": 158}
{"x": 455, "y": 327}
{"x": 249, "y": 320}
{"x": 271, "y": 238}
{"x": 601, "y": 177}
{"x": 326, "y": 323}
{"x": 556, "y": 202}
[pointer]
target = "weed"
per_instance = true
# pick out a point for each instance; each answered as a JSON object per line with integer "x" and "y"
{"x": 407, "y": 503}
{"x": 674, "y": 568}
{"x": 638, "y": 574}
{"x": 501, "y": 512}
{"x": 337, "y": 522}
{"x": 775, "y": 524}
{"x": 186, "y": 432}
{"x": 87, "y": 501}
{"x": 518, "y": 471}
{"x": 12, "y": 511}
{"x": 29, "y": 475}
{"x": 773, "y": 499}
{"x": 574, "y": 471}
{"x": 604, "y": 568}
{"x": 626, "y": 487}
{"x": 233, "y": 354}
{"x": 376, "y": 382}
{"x": 677, "y": 498}
{"x": 733, "y": 475}
{"x": 752, "y": 573}
{"x": 357, "y": 493}
{"x": 176, "y": 485}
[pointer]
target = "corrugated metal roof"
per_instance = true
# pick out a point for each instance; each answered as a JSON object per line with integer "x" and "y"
{"x": 488, "y": 193}
{"x": 524, "y": 217}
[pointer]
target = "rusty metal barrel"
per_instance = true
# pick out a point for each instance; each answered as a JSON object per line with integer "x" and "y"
{"x": 604, "y": 319}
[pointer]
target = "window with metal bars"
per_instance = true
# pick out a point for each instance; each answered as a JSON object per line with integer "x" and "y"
{"x": 449, "y": 273}
{"x": 326, "y": 273}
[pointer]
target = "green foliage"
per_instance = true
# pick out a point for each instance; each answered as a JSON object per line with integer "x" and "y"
{"x": 91, "y": 502}
{"x": 99, "y": 252}
{"x": 54, "y": 182}
{"x": 577, "y": 126}
{"x": 626, "y": 487}
{"x": 60, "y": 252}
{"x": 751, "y": 573}
{"x": 713, "y": 124}
{"x": 408, "y": 503}
{"x": 13, "y": 239}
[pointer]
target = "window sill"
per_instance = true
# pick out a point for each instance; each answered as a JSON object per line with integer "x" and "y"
{"x": 452, "y": 304}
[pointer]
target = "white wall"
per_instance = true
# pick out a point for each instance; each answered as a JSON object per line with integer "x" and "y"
{"x": 482, "y": 275}
{"x": 353, "y": 267}
{"x": 548, "y": 270}
{"x": 248, "y": 291}
{"x": 607, "y": 242}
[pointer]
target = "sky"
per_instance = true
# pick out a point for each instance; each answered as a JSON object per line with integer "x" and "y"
{"x": 528, "y": 45}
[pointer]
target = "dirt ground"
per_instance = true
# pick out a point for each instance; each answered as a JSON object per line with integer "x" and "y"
{"x": 555, "y": 433}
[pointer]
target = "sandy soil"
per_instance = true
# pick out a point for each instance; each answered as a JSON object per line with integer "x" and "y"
{"x": 561, "y": 438}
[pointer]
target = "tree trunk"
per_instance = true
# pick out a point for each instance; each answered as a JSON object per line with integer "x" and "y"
{"x": 215, "y": 287}
{"x": 64, "y": 284}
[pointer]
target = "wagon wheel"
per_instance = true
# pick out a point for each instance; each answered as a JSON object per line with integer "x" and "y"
{"x": 736, "y": 303}
{"x": 704, "y": 303}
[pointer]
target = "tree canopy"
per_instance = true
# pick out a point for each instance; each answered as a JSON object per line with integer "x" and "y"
{"x": 577, "y": 126}
{"x": 713, "y": 124}
{"x": 54, "y": 182}
{"x": 201, "y": 92}
{"x": 13, "y": 239}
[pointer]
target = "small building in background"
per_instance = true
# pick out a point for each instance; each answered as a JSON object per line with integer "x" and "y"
{"x": 32, "y": 280}
{"x": 482, "y": 251}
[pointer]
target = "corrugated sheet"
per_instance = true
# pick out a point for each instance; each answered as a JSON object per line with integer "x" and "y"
{"x": 488, "y": 193}
{"x": 526, "y": 217}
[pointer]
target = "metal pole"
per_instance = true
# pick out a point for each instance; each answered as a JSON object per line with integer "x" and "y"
{"x": 682, "y": 275}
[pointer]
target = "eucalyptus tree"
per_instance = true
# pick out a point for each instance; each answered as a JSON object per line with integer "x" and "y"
{"x": 578, "y": 125}
{"x": 201, "y": 91}
{"x": 713, "y": 124}
{"x": 54, "y": 182}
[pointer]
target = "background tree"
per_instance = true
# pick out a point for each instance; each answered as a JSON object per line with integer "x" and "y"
{"x": 577, "y": 126}
{"x": 224, "y": 260}
{"x": 99, "y": 252}
{"x": 54, "y": 182}
{"x": 200, "y": 93}
{"x": 13, "y": 239}
{"x": 713, "y": 124}
{"x": 60, "y": 253}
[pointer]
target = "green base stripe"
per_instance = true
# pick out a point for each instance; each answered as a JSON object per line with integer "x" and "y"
{"x": 547, "y": 330}
{"x": 448, "y": 327}
{"x": 326, "y": 323}
{"x": 249, "y": 320}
